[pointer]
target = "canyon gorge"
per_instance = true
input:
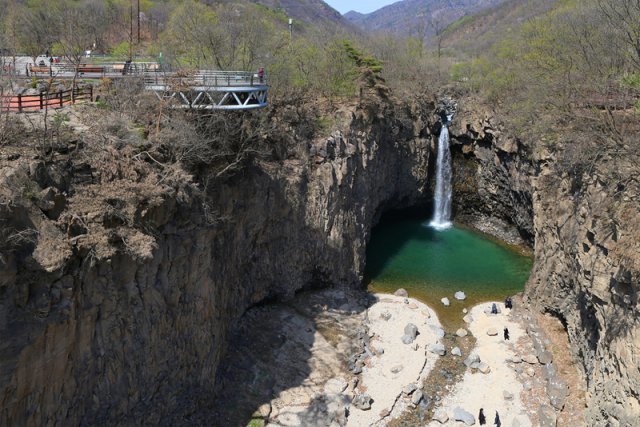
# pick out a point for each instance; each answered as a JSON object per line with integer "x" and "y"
{"x": 122, "y": 280}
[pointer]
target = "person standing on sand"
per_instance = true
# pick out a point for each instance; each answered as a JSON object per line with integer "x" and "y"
{"x": 481, "y": 417}
{"x": 506, "y": 334}
{"x": 497, "y": 422}
{"x": 494, "y": 308}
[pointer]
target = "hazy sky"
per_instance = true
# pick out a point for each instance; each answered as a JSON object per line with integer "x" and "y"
{"x": 362, "y": 6}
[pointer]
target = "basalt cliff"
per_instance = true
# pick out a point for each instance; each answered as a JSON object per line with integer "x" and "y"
{"x": 582, "y": 218}
{"x": 119, "y": 280}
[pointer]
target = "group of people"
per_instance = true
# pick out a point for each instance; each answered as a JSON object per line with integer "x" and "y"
{"x": 508, "y": 303}
{"x": 483, "y": 420}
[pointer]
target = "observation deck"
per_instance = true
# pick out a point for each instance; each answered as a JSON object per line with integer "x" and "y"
{"x": 209, "y": 90}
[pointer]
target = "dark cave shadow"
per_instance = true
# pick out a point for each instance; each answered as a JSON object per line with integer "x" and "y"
{"x": 265, "y": 360}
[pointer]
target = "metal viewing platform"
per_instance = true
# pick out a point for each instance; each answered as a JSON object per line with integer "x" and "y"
{"x": 188, "y": 89}
{"x": 209, "y": 90}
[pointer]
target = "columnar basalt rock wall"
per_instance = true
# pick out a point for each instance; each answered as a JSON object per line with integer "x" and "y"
{"x": 584, "y": 226}
{"x": 492, "y": 177}
{"x": 587, "y": 272}
{"x": 135, "y": 330}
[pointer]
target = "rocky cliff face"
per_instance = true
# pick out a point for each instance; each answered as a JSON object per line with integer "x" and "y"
{"x": 492, "y": 176}
{"x": 587, "y": 272}
{"x": 584, "y": 222}
{"x": 115, "y": 306}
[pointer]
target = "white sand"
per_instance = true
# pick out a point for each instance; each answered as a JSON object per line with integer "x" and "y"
{"x": 377, "y": 379}
{"x": 480, "y": 390}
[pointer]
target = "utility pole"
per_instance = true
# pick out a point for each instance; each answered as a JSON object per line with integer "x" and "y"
{"x": 131, "y": 31}
{"x": 138, "y": 21}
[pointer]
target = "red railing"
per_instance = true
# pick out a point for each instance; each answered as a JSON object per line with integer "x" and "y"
{"x": 24, "y": 103}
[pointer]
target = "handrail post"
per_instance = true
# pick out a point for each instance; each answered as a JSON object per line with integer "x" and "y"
{"x": 61, "y": 104}
{"x": 41, "y": 103}
{"x": 19, "y": 103}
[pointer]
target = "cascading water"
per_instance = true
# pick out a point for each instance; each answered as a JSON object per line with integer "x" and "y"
{"x": 442, "y": 210}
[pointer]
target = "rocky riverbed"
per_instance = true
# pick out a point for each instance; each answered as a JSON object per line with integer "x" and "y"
{"x": 348, "y": 358}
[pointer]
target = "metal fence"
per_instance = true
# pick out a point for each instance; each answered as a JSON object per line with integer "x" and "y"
{"x": 204, "y": 78}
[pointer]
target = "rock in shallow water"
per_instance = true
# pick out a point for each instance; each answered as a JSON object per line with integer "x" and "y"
{"x": 462, "y": 332}
{"x": 456, "y": 351}
{"x": 401, "y": 293}
{"x": 460, "y": 296}
{"x": 446, "y": 301}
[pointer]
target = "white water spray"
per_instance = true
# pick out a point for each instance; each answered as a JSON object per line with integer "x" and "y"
{"x": 442, "y": 210}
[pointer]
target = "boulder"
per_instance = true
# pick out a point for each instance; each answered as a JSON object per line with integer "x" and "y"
{"x": 473, "y": 358}
{"x": 545, "y": 357}
{"x": 416, "y": 397}
{"x": 507, "y": 395}
{"x": 456, "y": 351}
{"x": 401, "y": 293}
{"x": 439, "y": 332}
{"x": 531, "y": 359}
{"x": 547, "y": 416}
{"x": 441, "y": 416}
{"x": 446, "y": 302}
{"x": 460, "y": 296}
{"x": 514, "y": 359}
{"x": 362, "y": 402}
{"x": 462, "y": 332}
{"x": 468, "y": 318}
{"x": 411, "y": 330}
{"x": 484, "y": 368}
{"x": 531, "y": 372}
{"x": 438, "y": 349}
{"x": 409, "y": 388}
{"x": 460, "y": 414}
{"x": 406, "y": 339}
{"x": 492, "y": 332}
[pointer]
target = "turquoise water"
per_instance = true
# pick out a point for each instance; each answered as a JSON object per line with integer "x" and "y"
{"x": 434, "y": 264}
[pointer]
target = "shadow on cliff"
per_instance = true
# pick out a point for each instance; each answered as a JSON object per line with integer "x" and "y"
{"x": 389, "y": 237}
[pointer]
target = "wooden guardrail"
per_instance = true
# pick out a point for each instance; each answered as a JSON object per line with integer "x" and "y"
{"x": 26, "y": 103}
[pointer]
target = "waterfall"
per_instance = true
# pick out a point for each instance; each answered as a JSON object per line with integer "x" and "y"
{"x": 442, "y": 211}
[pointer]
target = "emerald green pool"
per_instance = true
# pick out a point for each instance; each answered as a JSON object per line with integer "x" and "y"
{"x": 433, "y": 264}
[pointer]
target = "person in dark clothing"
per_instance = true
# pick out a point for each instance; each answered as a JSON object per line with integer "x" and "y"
{"x": 508, "y": 303}
{"x": 497, "y": 422}
{"x": 506, "y": 334}
{"x": 481, "y": 417}
{"x": 494, "y": 308}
